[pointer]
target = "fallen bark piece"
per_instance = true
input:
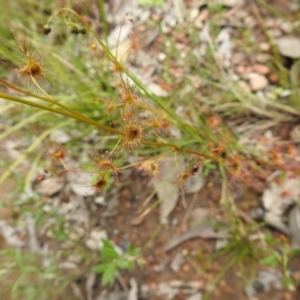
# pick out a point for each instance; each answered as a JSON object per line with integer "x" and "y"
{"x": 200, "y": 231}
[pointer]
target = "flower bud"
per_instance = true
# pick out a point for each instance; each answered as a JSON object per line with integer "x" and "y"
{"x": 82, "y": 30}
{"x": 74, "y": 29}
{"x": 46, "y": 29}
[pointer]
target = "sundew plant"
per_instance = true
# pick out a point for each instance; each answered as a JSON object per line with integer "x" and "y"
{"x": 60, "y": 74}
{"x": 115, "y": 102}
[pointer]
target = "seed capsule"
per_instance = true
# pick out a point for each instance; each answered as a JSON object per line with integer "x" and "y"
{"x": 46, "y": 29}
{"x": 82, "y": 30}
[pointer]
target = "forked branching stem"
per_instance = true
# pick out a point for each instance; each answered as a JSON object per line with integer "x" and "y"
{"x": 72, "y": 114}
{"x": 132, "y": 134}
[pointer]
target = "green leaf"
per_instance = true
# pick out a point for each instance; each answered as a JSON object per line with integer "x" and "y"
{"x": 100, "y": 268}
{"x": 271, "y": 261}
{"x": 124, "y": 263}
{"x": 108, "y": 276}
{"x": 108, "y": 252}
{"x": 151, "y": 2}
{"x": 133, "y": 251}
{"x": 289, "y": 283}
{"x": 295, "y": 252}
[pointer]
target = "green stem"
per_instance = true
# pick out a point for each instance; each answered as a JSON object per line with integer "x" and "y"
{"x": 52, "y": 101}
{"x": 103, "y": 19}
{"x": 178, "y": 149}
{"x": 157, "y": 100}
{"x": 64, "y": 113}
{"x": 219, "y": 276}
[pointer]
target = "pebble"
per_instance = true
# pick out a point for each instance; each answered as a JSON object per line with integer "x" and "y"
{"x": 100, "y": 200}
{"x": 161, "y": 56}
{"x": 241, "y": 70}
{"x": 258, "y": 286}
{"x": 94, "y": 242}
{"x": 241, "y": 14}
{"x": 262, "y": 58}
{"x": 186, "y": 268}
{"x": 294, "y": 6}
{"x": 231, "y": 3}
{"x": 67, "y": 265}
{"x": 194, "y": 13}
{"x": 197, "y": 296}
{"x": 237, "y": 59}
{"x": 256, "y": 81}
{"x": 273, "y": 78}
{"x": 288, "y": 46}
{"x": 264, "y": 47}
{"x": 269, "y": 23}
{"x": 275, "y": 33}
{"x": 249, "y": 21}
{"x": 287, "y": 27}
{"x": 145, "y": 290}
{"x": 159, "y": 268}
{"x": 261, "y": 69}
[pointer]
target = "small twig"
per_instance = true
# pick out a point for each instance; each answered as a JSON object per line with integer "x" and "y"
{"x": 121, "y": 281}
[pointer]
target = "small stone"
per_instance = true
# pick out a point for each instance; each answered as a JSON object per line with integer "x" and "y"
{"x": 198, "y": 24}
{"x": 269, "y": 23}
{"x": 100, "y": 200}
{"x": 144, "y": 289}
{"x": 159, "y": 268}
{"x": 249, "y": 21}
{"x": 74, "y": 236}
{"x": 186, "y": 268}
{"x": 273, "y": 78}
{"x": 261, "y": 69}
{"x": 275, "y": 33}
{"x": 288, "y": 46}
{"x": 270, "y": 279}
{"x": 257, "y": 213}
{"x": 264, "y": 47}
{"x": 95, "y": 240}
{"x": 197, "y": 296}
{"x": 161, "y": 56}
{"x": 262, "y": 58}
{"x": 67, "y": 245}
{"x": 237, "y": 59}
{"x": 287, "y": 27}
{"x": 67, "y": 265}
{"x": 241, "y": 14}
{"x": 156, "y": 17}
{"x": 258, "y": 286}
{"x": 256, "y": 81}
{"x": 241, "y": 70}
{"x": 92, "y": 244}
{"x": 294, "y": 6}
{"x": 230, "y": 3}
{"x": 194, "y": 12}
